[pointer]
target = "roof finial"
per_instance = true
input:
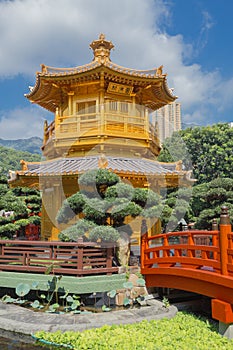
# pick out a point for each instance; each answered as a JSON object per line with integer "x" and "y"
{"x": 101, "y": 49}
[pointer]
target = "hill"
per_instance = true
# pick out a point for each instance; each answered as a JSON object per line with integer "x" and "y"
{"x": 31, "y": 145}
{"x": 10, "y": 159}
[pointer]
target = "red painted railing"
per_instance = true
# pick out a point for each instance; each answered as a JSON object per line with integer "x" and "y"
{"x": 196, "y": 261}
{"x": 185, "y": 249}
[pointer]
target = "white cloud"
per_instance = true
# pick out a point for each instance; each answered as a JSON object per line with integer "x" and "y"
{"x": 207, "y": 24}
{"x": 58, "y": 33}
{"x": 21, "y": 123}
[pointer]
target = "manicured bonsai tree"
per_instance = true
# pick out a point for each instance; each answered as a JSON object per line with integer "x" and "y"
{"x": 101, "y": 207}
{"x": 24, "y": 206}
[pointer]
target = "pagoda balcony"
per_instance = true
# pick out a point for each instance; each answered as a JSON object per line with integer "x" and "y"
{"x": 96, "y": 126}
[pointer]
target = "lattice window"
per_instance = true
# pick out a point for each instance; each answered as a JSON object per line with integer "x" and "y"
{"x": 88, "y": 107}
{"x": 113, "y": 106}
{"x": 124, "y": 107}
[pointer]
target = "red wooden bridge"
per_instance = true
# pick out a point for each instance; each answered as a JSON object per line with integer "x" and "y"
{"x": 195, "y": 261}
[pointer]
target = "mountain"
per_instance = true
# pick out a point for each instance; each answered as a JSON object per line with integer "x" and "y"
{"x": 31, "y": 145}
{"x": 10, "y": 159}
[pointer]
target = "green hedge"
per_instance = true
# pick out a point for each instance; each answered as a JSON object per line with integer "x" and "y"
{"x": 183, "y": 332}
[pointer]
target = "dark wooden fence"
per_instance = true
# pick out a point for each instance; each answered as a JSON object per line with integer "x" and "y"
{"x": 59, "y": 258}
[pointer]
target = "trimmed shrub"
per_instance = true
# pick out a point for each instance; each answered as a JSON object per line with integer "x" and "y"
{"x": 104, "y": 234}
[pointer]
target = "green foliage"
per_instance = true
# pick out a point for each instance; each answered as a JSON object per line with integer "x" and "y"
{"x": 76, "y": 202}
{"x": 120, "y": 190}
{"x": 22, "y": 222}
{"x": 146, "y": 197}
{"x": 182, "y": 332}
{"x": 3, "y": 178}
{"x": 22, "y": 289}
{"x": 10, "y": 202}
{"x": 79, "y": 229}
{"x": 10, "y": 159}
{"x": 152, "y": 212}
{"x": 112, "y": 293}
{"x": 208, "y": 151}
{"x": 35, "y": 219}
{"x": 94, "y": 210}
{"x": 166, "y": 302}
{"x": 98, "y": 177}
{"x": 208, "y": 199}
{"x": 105, "y": 308}
{"x": 140, "y": 196}
{"x": 104, "y": 234}
{"x": 176, "y": 206}
{"x": 72, "y": 303}
{"x": 25, "y": 203}
{"x": 65, "y": 213}
{"x": 120, "y": 211}
{"x": 3, "y": 189}
{"x": 6, "y": 220}
{"x": 27, "y": 192}
{"x": 106, "y": 201}
{"x": 8, "y": 230}
{"x": 70, "y": 207}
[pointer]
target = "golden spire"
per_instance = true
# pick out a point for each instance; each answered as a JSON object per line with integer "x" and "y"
{"x": 101, "y": 49}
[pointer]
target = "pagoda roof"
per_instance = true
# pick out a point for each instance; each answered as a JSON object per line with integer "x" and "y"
{"x": 53, "y": 83}
{"x": 79, "y": 165}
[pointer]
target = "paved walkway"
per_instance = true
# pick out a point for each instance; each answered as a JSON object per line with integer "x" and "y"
{"x": 18, "y": 319}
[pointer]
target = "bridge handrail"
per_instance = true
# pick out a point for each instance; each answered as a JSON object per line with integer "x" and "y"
{"x": 183, "y": 233}
{"x": 189, "y": 250}
{"x": 192, "y": 249}
{"x": 197, "y": 261}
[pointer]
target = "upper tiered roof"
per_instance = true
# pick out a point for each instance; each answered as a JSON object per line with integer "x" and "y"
{"x": 53, "y": 84}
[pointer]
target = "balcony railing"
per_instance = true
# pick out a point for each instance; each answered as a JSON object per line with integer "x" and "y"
{"x": 109, "y": 124}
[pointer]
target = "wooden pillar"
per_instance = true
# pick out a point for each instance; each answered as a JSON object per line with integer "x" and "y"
{"x": 46, "y": 135}
{"x": 224, "y": 230}
{"x": 70, "y": 102}
{"x": 146, "y": 122}
{"x": 56, "y": 119}
{"x": 102, "y": 121}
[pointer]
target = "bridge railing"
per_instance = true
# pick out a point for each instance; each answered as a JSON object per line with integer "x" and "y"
{"x": 192, "y": 249}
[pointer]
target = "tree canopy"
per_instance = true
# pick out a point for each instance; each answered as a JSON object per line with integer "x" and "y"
{"x": 10, "y": 159}
{"x": 206, "y": 150}
{"x": 24, "y": 205}
{"x": 208, "y": 198}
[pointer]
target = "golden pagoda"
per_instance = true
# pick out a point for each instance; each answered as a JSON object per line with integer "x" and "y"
{"x": 101, "y": 119}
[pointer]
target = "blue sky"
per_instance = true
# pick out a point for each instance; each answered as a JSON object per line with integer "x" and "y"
{"x": 192, "y": 39}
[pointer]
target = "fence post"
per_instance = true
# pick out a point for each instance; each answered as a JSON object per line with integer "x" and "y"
{"x": 224, "y": 230}
{"x": 109, "y": 251}
{"x": 80, "y": 254}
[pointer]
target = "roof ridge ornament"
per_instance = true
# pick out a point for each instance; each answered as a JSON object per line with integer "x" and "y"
{"x": 101, "y": 49}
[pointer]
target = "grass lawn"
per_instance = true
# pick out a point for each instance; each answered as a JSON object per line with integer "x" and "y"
{"x": 183, "y": 332}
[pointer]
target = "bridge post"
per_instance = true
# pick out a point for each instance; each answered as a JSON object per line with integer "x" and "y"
{"x": 214, "y": 225}
{"x": 221, "y": 310}
{"x": 224, "y": 230}
{"x": 144, "y": 246}
{"x": 215, "y": 237}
